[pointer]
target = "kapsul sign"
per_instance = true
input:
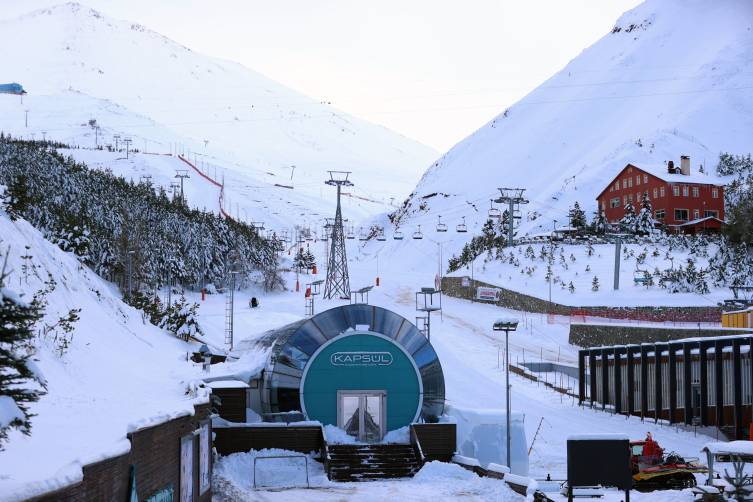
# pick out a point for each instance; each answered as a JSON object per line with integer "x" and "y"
{"x": 361, "y": 359}
{"x": 487, "y": 294}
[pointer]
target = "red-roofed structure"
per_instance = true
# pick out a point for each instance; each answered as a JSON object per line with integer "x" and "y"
{"x": 685, "y": 202}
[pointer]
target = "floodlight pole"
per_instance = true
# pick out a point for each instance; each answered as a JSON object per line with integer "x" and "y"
{"x": 507, "y": 326}
{"x": 507, "y": 395}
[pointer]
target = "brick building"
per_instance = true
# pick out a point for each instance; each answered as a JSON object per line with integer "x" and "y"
{"x": 683, "y": 201}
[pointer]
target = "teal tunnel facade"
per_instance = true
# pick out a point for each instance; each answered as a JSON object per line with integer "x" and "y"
{"x": 348, "y": 349}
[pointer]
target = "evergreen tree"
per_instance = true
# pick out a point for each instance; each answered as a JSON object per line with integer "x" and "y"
{"x": 577, "y": 217}
{"x": 628, "y": 220}
{"x": 17, "y": 319}
{"x": 600, "y": 222}
{"x": 16, "y": 199}
{"x": 595, "y": 284}
{"x": 571, "y": 287}
{"x": 644, "y": 223}
{"x": 182, "y": 319}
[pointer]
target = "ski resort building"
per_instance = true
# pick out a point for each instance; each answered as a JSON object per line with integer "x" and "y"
{"x": 356, "y": 371}
{"x": 684, "y": 202}
{"x": 699, "y": 381}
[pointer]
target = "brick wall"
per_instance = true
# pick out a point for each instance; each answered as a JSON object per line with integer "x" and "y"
{"x": 155, "y": 451}
{"x": 452, "y": 286}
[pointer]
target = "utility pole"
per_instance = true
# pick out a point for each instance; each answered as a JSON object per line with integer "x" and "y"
{"x": 183, "y": 174}
{"x": 26, "y": 118}
{"x": 617, "y": 246}
{"x": 96, "y": 136}
{"x": 127, "y": 142}
{"x": 513, "y": 197}
{"x": 338, "y": 281}
{"x": 116, "y": 137}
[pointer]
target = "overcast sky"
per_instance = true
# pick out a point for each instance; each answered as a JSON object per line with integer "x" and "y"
{"x": 433, "y": 70}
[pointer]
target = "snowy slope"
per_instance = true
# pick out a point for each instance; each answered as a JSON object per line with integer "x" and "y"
{"x": 135, "y": 82}
{"x": 673, "y": 77}
{"x": 117, "y": 372}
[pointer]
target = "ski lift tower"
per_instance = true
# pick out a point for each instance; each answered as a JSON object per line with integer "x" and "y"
{"x": 513, "y": 197}
{"x": 338, "y": 281}
{"x": 426, "y": 301}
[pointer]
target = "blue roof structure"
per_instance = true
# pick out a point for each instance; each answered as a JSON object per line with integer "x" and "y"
{"x": 12, "y": 88}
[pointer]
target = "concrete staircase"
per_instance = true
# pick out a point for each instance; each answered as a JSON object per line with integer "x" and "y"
{"x": 366, "y": 462}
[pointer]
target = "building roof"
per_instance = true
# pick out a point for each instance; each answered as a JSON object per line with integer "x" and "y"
{"x": 660, "y": 171}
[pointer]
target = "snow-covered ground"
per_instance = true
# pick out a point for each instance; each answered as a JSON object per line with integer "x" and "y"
{"x": 524, "y": 270}
{"x": 82, "y": 65}
{"x": 647, "y": 92}
{"x": 117, "y": 372}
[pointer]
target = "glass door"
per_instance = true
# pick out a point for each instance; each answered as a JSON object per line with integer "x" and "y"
{"x": 362, "y": 414}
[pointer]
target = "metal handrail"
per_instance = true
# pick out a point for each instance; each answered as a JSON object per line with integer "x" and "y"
{"x": 417, "y": 445}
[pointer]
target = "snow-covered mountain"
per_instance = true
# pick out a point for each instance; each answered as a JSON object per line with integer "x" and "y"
{"x": 671, "y": 78}
{"x": 77, "y": 64}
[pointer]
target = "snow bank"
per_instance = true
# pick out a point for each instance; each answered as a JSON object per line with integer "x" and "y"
{"x": 238, "y": 470}
{"x": 436, "y": 471}
{"x": 335, "y": 435}
{"x": 398, "y": 436}
{"x": 482, "y": 435}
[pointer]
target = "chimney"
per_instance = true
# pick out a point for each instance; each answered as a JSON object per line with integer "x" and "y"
{"x": 685, "y": 165}
{"x": 671, "y": 167}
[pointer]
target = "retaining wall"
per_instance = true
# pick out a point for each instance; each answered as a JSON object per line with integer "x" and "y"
{"x": 452, "y": 286}
{"x": 598, "y": 335}
{"x": 156, "y": 455}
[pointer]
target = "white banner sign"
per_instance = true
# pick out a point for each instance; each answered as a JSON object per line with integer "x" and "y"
{"x": 487, "y": 294}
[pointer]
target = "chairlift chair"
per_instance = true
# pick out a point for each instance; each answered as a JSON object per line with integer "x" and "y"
{"x": 639, "y": 276}
{"x": 441, "y": 227}
{"x": 362, "y": 235}
{"x": 494, "y": 213}
{"x": 461, "y": 228}
{"x": 380, "y": 235}
{"x": 350, "y": 234}
{"x": 397, "y": 235}
{"x": 417, "y": 234}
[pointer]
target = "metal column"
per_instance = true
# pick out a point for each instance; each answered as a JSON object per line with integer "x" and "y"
{"x": 672, "y": 363}
{"x": 592, "y": 376}
{"x": 604, "y": 378}
{"x": 702, "y": 357}
{"x": 618, "y": 379}
{"x": 658, "y": 348}
{"x": 644, "y": 381}
{"x": 687, "y": 389}
{"x": 737, "y": 376}
{"x": 630, "y": 380}
{"x": 719, "y": 381}
{"x": 581, "y": 376}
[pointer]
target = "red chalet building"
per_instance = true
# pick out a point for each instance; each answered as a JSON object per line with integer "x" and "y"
{"x": 682, "y": 201}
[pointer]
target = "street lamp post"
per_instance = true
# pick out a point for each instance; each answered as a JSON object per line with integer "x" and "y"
{"x": 507, "y": 324}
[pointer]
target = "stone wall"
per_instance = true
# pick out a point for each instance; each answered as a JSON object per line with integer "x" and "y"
{"x": 598, "y": 335}
{"x": 452, "y": 286}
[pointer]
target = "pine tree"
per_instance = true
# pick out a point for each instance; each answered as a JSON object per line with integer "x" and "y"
{"x": 595, "y": 284}
{"x": 577, "y": 217}
{"x": 599, "y": 222}
{"x": 17, "y": 319}
{"x": 628, "y": 220}
{"x": 16, "y": 199}
{"x": 644, "y": 224}
{"x": 571, "y": 287}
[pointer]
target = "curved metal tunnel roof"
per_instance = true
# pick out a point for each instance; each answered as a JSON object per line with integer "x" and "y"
{"x": 293, "y": 345}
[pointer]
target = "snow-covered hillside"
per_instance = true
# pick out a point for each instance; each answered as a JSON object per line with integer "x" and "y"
{"x": 111, "y": 372}
{"x": 673, "y": 77}
{"x": 83, "y": 65}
